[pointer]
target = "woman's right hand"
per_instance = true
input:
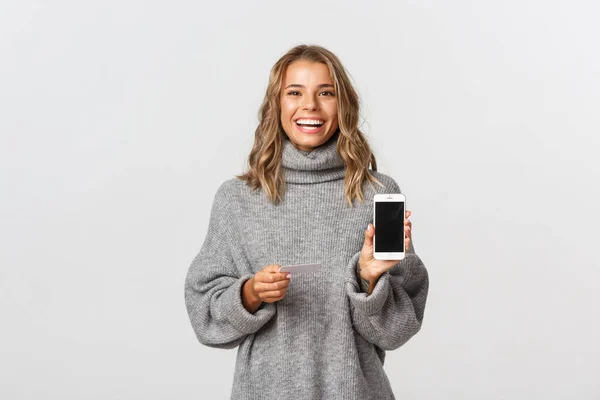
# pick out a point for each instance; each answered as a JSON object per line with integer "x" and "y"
{"x": 269, "y": 285}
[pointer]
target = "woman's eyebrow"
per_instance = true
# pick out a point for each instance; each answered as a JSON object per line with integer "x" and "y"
{"x": 322, "y": 85}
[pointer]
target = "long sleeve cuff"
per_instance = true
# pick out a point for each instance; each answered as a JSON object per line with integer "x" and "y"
{"x": 238, "y": 316}
{"x": 366, "y": 304}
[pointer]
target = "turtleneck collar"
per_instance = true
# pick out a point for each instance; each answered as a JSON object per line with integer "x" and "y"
{"x": 322, "y": 164}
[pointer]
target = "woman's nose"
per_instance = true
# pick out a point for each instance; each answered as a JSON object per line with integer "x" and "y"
{"x": 310, "y": 103}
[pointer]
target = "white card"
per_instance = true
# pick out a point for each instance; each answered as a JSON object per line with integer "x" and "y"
{"x": 300, "y": 268}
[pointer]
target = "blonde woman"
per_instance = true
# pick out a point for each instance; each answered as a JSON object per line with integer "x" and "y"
{"x": 306, "y": 197}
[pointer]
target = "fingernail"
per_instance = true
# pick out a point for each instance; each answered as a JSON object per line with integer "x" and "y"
{"x": 289, "y": 276}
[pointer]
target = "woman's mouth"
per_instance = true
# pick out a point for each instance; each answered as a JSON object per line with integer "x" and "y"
{"x": 310, "y": 125}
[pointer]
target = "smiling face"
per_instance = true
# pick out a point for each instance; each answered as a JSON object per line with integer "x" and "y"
{"x": 309, "y": 104}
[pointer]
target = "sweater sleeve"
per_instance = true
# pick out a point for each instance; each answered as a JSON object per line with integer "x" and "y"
{"x": 213, "y": 285}
{"x": 393, "y": 312}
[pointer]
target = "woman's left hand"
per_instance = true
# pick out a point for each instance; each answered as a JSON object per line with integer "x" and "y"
{"x": 370, "y": 268}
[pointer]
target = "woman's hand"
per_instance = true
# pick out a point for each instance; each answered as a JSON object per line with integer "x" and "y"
{"x": 269, "y": 285}
{"x": 371, "y": 269}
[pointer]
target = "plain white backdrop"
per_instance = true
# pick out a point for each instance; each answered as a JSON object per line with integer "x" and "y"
{"x": 119, "y": 120}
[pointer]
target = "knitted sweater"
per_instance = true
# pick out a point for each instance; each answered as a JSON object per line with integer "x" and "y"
{"x": 326, "y": 339}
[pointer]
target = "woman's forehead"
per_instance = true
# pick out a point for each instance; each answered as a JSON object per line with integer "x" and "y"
{"x": 307, "y": 73}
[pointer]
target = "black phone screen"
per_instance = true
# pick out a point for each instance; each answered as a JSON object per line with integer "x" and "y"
{"x": 389, "y": 226}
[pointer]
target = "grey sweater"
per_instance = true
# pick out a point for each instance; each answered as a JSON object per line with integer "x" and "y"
{"x": 326, "y": 339}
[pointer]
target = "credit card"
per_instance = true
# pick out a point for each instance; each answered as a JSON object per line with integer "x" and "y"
{"x": 300, "y": 268}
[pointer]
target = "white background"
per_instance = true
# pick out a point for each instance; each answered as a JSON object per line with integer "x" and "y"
{"x": 119, "y": 120}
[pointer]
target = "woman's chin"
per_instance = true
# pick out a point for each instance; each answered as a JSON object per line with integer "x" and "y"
{"x": 310, "y": 143}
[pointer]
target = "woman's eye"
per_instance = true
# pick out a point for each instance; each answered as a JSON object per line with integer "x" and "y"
{"x": 295, "y": 93}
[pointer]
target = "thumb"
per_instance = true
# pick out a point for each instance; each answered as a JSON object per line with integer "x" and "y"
{"x": 369, "y": 233}
{"x": 273, "y": 268}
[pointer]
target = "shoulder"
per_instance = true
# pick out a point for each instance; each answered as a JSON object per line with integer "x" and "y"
{"x": 230, "y": 190}
{"x": 390, "y": 185}
{"x": 234, "y": 192}
{"x": 227, "y": 199}
{"x": 228, "y": 187}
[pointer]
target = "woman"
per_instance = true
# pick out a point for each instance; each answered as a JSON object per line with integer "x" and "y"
{"x": 321, "y": 335}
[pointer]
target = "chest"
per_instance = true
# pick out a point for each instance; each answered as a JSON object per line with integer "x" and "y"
{"x": 305, "y": 228}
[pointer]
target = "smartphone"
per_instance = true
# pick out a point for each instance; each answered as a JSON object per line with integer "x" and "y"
{"x": 388, "y": 220}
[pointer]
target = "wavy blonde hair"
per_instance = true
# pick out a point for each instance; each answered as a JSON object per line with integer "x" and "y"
{"x": 265, "y": 167}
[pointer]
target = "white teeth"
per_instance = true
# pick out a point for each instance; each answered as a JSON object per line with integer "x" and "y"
{"x": 310, "y": 121}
